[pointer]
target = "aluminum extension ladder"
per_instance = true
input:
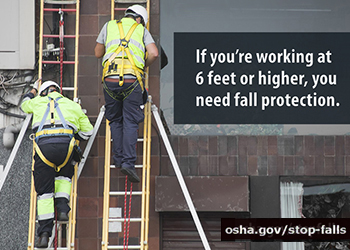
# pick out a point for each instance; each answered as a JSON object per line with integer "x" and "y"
{"x": 143, "y": 220}
{"x": 70, "y": 225}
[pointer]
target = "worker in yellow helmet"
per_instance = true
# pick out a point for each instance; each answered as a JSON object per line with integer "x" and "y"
{"x": 122, "y": 45}
{"x": 57, "y": 123}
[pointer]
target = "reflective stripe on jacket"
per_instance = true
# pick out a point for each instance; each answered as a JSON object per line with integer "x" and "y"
{"x": 136, "y": 45}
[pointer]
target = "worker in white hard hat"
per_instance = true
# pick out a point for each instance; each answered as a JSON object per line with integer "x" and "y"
{"x": 122, "y": 45}
{"x": 57, "y": 123}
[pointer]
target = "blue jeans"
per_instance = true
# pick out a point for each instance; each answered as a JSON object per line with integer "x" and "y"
{"x": 124, "y": 117}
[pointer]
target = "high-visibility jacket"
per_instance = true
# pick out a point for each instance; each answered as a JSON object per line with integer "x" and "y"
{"x": 72, "y": 113}
{"x": 74, "y": 117}
{"x": 136, "y": 45}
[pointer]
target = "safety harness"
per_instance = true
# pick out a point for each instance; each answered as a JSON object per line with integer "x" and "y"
{"x": 54, "y": 131}
{"x": 116, "y": 66}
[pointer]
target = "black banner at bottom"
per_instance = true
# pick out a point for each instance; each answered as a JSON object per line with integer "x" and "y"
{"x": 285, "y": 229}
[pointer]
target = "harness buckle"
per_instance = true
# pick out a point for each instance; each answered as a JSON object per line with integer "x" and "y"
{"x": 124, "y": 43}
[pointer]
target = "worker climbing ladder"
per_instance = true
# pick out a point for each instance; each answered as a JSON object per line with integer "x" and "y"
{"x": 142, "y": 222}
{"x": 49, "y": 7}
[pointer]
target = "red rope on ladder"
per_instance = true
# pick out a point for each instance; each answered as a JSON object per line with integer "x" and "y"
{"x": 127, "y": 239}
{"x": 61, "y": 53}
{"x": 126, "y": 189}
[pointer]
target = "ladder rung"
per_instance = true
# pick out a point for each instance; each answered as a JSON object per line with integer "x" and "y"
{"x": 68, "y": 88}
{"x": 52, "y": 248}
{"x": 64, "y": 10}
{"x": 58, "y": 62}
{"x": 136, "y": 166}
{"x": 138, "y": 139}
{"x": 122, "y": 220}
{"x": 60, "y": 1}
{"x": 57, "y": 36}
{"x": 58, "y": 222}
{"x": 130, "y": 1}
{"x": 122, "y": 247}
{"x": 123, "y": 193}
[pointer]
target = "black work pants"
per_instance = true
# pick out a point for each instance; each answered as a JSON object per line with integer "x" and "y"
{"x": 124, "y": 117}
{"x": 44, "y": 178}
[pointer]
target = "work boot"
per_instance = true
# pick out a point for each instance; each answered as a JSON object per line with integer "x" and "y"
{"x": 43, "y": 240}
{"x": 131, "y": 173}
{"x": 62, "y": 216}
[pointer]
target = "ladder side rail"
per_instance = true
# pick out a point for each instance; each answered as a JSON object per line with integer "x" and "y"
{"x": 33, "y": 194}
{"x": 91, "y": 140}
{"x": 148, "y": 167}
{"x": 144, "y": 180}
{"x": 32, "y": 212}
{"x": 41, "y": 38}
{"x": 148, "y": 7}
{"x": 76, "y": 54}
{"x": 146, "y": 157}
{"x": 105, "y": 223}
{"x": 112, "y": 9}
{"x": 180, "y": 178}
{"x": 15, "y": 150}
{"x": 107, "y": 169}
{"x": 72, "y": 213}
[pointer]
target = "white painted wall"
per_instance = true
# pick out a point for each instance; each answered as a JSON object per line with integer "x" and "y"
{"x": 17, "y": 31}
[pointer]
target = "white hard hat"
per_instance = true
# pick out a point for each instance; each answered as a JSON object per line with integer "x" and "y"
{"x": 139, "y": 10}
{"x": 48, "y": 84}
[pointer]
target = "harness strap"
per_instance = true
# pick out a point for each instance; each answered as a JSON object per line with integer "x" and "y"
{"x": 41, "y": 125}
{"x": 60, "y": 114}
{"x": 123, "y": 47}
{"x": 51, "y": 106}
{"x": 58, "y": 131}
{"x": 120, "y": 96}
{"x": 47, "y": 162}
{"x": 126, "y": 49}
{"x": 125, "y": 39}
{"x": 66, "y": 130}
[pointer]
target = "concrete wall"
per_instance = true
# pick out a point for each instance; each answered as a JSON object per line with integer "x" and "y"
{"x": 15, "y": 196}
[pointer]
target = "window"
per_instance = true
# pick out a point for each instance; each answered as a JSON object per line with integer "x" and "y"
{"x": 311, "y": 197}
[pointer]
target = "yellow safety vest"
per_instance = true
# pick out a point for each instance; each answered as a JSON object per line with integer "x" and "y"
{"x": 125, "y": 54}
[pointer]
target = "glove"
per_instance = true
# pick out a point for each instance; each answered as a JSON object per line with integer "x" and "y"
{"x": 36, "y": 85}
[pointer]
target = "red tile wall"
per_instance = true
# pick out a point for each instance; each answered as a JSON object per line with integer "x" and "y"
{"x": 261, "y": 155}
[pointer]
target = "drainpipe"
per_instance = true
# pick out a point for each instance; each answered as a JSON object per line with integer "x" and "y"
{"x": 8, "y": 137}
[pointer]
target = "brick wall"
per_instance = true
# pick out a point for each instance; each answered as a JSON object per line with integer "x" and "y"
{"x": 261, "y": 155}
